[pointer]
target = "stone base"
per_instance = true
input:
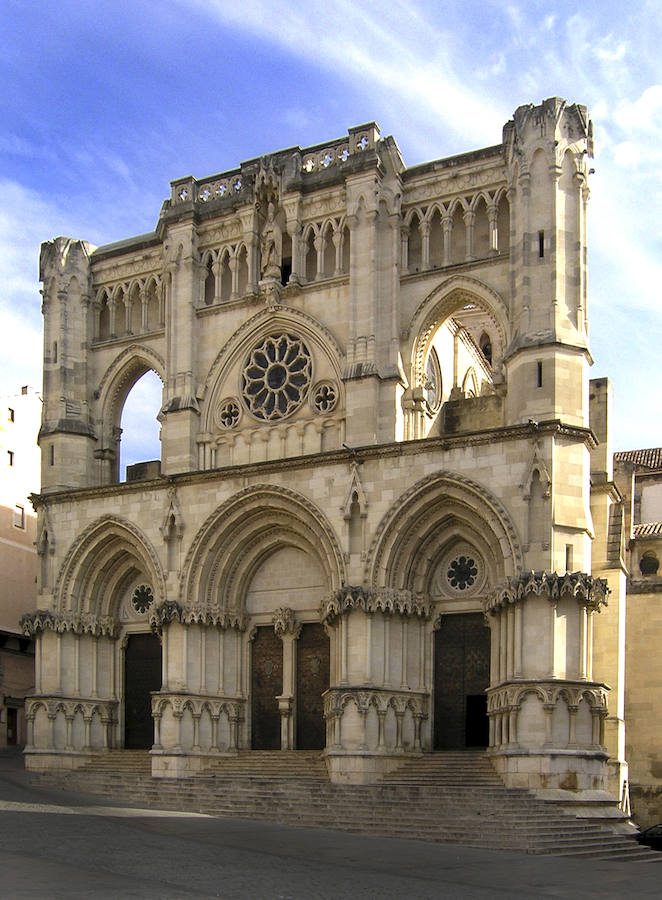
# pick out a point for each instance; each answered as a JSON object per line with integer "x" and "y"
{"x": 646, "y": 802}
{"x": 57, "y": 760}
{"x": 170, "y": 764}
{"x": 543, "y": 769}
{"x": 362, "y": 768}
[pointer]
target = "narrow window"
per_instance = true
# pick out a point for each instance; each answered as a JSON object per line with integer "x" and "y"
{"x": 11, "y": 414}
{"x": 541, "y": 244}
{"x": 54, "y": 351}
{"x": 10, "y": 457}
{"x": 52, "y": 454}
{"x": 568, "y": 557}
{"x": 539, "y": 374}
{"x": 19, "y": 516}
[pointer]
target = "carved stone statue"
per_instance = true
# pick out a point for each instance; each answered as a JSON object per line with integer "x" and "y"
{"x": 271, "y": 245}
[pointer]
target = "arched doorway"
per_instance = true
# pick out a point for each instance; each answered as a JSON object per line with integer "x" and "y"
{"x": 142, "y": 675}
{"x": 461, "y": 677}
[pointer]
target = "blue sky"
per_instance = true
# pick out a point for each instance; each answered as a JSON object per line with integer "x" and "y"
{"x": 105, "y": 102}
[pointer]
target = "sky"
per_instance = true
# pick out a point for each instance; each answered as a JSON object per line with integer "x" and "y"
{"x": 104, "y": 103}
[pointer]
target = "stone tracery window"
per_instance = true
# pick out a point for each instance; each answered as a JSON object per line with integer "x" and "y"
{"x": 276, "y": 377}
{"x": 462, "y": 572}
{"x": 432, "y": 384}
{"x": 324, "y": 397}
{"x": 142, "y": 598}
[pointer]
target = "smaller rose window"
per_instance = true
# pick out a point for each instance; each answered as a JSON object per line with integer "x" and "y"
{"x": 325, "y": 397}
{"x": 142, "y": 598}
{"x": 276, "y": 377}
{"x": 462, "y": 572}
{"x": 228, "y": 413}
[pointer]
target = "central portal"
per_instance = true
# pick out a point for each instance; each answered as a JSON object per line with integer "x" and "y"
{"x": 142, "y": 675}
{"x": 461, "y": 677}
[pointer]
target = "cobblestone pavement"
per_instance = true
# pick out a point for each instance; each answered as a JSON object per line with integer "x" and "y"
{"x": 58, "y": 845}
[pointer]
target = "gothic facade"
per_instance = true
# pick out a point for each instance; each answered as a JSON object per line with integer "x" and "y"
{"x": 381, "y": 521}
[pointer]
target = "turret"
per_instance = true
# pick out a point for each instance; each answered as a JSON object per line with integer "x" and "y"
{"x": 546, "y": 149}
{"x": 66, "y": 437}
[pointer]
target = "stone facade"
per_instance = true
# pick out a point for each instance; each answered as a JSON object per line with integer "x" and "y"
{"x": 373, "y": 529}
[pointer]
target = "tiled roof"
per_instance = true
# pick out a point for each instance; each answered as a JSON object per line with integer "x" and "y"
{"x": 650, "y": 459}
{"x": 648, "y": 529}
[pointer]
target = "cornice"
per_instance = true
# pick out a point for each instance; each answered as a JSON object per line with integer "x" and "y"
{"x": 445, "y": 443}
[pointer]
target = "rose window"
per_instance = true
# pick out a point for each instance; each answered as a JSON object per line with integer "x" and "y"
{"x": 276, "y": 377}
{"x": 325, "y": 397}
{"x": 462, "y": 572}
{"x": 142, "y": 598}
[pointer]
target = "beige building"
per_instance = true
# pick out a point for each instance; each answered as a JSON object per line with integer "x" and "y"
{"x": 20, "y": 417}
{"x": 382, "y": 523}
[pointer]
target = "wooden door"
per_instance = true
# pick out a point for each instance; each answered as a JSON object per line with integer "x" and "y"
{"x": 266, "y": 685}
{"x": 461, "y": 676}
{"x": 142, "y": 675}
{"x": 312, "y": 680}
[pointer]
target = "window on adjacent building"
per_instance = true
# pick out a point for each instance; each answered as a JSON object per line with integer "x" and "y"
{"x": 19, "y": 516}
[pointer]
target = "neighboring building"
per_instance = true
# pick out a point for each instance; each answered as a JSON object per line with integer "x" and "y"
{"x": 638, "y": 474}
{"x": 20, "y": 416}
{"x": 378, "y": 439}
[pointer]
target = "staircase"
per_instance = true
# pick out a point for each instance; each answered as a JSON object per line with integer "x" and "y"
{"x": 453, "y": 798}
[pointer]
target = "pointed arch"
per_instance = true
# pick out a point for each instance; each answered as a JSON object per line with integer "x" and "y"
{"x": 434, "y": 512}
{"x": 260, "y": 325}
{"x": 102, "y": 560}
{"x": 448, "y": 297}
{"x": 242, "y": 533}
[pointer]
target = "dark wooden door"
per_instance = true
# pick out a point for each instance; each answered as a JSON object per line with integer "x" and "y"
{"x": 312, "y": 681}
{"x": 142, "y": 675}
{"x": 266, "y": 685}
{"x": 461, "y": 675}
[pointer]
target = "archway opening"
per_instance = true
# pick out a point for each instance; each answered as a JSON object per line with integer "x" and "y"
{"x": 140, "y": 430}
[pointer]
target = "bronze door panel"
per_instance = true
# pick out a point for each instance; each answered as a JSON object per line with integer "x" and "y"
{"x": 266, "y": 685}
{"x": 313, "y": 669}
{"x": 142, "y": 675}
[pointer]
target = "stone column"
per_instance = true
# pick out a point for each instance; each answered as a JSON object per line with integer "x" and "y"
{"x": 288, "y": 630}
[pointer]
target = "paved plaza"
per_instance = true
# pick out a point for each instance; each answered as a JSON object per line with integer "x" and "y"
{"x": 58, "y": 845}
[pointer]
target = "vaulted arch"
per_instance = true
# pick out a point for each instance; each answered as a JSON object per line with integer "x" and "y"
{"x": 106, "y": 557}
{"x": 438, "y": 510}
{"x": 242, "y": 533}
{"x": 441, "y": 303}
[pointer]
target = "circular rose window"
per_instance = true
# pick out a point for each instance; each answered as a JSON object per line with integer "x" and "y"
{"x": 276, "y": 377}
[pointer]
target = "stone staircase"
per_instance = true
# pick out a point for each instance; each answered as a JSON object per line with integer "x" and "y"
{"x": 448, "y": 797}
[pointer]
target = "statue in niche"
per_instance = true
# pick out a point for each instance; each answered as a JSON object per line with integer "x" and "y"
{"x": 271, "y": 245}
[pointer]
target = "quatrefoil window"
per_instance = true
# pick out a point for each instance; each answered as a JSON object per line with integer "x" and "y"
{"x": 324, "y": 397}
{"x": 228, "y": 413}
{"x": 276, "y": 377}
{"x": 142, "y": 598}
{"x": 462, "y": 572}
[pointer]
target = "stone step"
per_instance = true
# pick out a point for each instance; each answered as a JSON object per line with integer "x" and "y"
{"x": 447, "y": 798}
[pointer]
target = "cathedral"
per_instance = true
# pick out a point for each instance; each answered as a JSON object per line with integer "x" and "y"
{"x": 385, "y": 521}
